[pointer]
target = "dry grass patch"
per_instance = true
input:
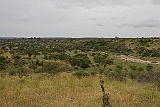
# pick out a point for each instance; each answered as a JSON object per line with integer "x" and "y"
{"x": 66, "y": 90}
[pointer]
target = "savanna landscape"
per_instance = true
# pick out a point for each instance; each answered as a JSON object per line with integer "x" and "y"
{"x": 66, "y": 72}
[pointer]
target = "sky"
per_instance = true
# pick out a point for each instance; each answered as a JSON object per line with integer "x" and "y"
{"x": 80, "y": 18}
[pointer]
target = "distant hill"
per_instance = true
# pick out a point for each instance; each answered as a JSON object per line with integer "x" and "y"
{"x": 7, "y": 37}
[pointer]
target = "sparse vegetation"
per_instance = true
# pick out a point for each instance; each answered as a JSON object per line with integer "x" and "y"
{"x": 64, "y": 72}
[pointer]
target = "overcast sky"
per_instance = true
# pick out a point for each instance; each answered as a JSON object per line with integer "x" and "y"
{"x": 80, "y": 18}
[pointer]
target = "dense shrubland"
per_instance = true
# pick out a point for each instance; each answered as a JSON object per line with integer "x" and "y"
{"x": 53, "y": 54}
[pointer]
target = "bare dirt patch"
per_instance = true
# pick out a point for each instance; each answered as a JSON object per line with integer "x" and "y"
{"x": 134, "y": 59}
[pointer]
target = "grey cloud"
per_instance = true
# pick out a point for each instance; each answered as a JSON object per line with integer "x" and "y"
{"x": 150, "y": 23}
{"x": 100, "y": 25}
{"x": 118, "y": 18}
{"x": 93, "y": 19}
{"x": 67, "y": 4}
{"x": 75, "y": 17}
{"x": 157, "y": 2}
{"x": 23, "y": 17}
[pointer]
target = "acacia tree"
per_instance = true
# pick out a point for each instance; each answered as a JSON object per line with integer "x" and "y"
{"x": 74, "y": 62}
{"x": 102, "y": 59}
{"x": 80, "y": 60}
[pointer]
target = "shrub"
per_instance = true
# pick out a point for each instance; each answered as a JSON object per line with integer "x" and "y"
{"x": 41, "y": 76}
{"x": 153, "y": 77}
{"x": 133, "y": 67}
{"x": 81, "y": 74}
{"x": 81, "y": 60}
{"x": 54, "y": 68}
{"x": 2, "y": 66}
{"x": 149, "y": 68}
{"x": 12, "y": 72}
{"x": 21, "y": 72}
{"x": 133, "y": 75}
{"x": 33, "y": 65}
{"x": 93, "y": 73}
{"x": 116, "y": 75}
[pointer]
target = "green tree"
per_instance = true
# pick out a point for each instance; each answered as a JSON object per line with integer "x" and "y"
{"x": 75, "y": 62}
{"x": 102, "y": 59}
{"x": 83, "y": 60}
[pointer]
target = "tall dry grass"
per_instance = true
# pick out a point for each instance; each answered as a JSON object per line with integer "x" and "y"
{"x": 65, "y": 90}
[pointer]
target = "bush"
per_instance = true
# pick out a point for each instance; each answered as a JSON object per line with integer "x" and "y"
{"x": 133, "y": 75}
{"x": 81, "y": 74}
{"x": 80, "y": 60}
{"x": 153, "y": 77}
{"x": 12, "y": 73}
{"x": 41, "y": 76}
{"x": 93, "y": 73}
{"x": 54, "y": 68}
{"x": 149, "y": 68}
{"x": 33, "y": 65}
{"x": 2, "y": 66}
{"x": 21, "y": 72}
{"x": 117, "y": 76}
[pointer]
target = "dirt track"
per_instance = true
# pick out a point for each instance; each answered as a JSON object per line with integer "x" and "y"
{"x": 134, "y": 59}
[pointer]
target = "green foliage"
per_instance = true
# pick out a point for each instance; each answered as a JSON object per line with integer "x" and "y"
{"x": 54, "y": 68}
{"x": 75, "y": 62}
{"x": 85, "y": 62}
{"x": 19, "y": 62}
{"x": 12, "y": 72}
{"x": 30, "y": 51}
{"x": 3, "y": 62}
{"x": 80, "y": 53}
{"x": 81, "y": 74}
{"x": 39, "y": 63}
{"x": 119, "y": 68}
{"x": 21, "y": 72}
{"x": 102, "y": 59}
{"x": 116, "y": 75}
{"x": 33, "y": 65}
{"x": 93, "y": 73}
{"x": 135, "y": 72}
{"x": 144, "y": 52}
{"x": 157, "y": 82}
{"x": 2, "y": 58}
{"x": 133, "y": 67}
{"x": 16, "y": 57}
{"x": 2, "y": 66}
{"x": 155, "y": 53}
{"x": 140, "y": 69}
{"x": 133, "y": 75}
{"x": 149, "y": 68}
{"x": 80, "y": 60}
